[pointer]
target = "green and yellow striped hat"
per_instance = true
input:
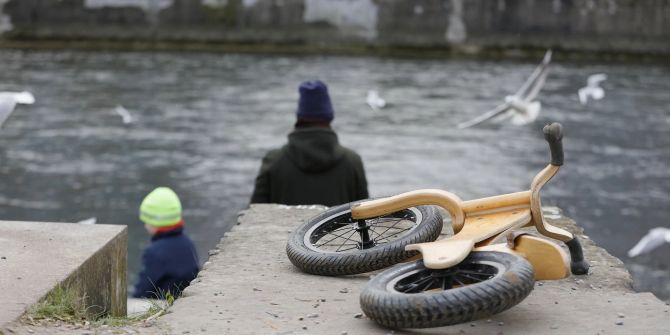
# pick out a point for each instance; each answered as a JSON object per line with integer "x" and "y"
{"x": 161, "y": 208}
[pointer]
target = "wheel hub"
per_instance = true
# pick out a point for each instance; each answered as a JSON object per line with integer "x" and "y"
{"x": 363, "y": 229}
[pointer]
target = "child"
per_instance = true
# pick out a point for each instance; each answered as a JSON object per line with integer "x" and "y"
{"x": 170, "y": 262}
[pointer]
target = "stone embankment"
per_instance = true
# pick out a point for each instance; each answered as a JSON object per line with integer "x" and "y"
{"x": 414, "y": 26}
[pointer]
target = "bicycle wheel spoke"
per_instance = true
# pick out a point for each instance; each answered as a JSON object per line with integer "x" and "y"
{"x": 344, "y": 226}
{"x": 383, "y": 239}
{"x": 321, "y": 235}
{"x": 429, "y": 281}
{"x": 458, "y": 281}
{"x": 401, "y": 229}
{"x": 446, "y": 284}
{"x": 336, "y": 224}
{"x": 415, "y": 285}
{"x": 337, "y": 245}
{"x": 377, "y": 239}
{"x": 475, "y": 273}
{"x": 387, "y": 229}
{"x": 475, "y": 278}
{"x": 337, "y": 234}
{"x": 348, "y": 238}
{"x": 409, "y": 288}
{"x": 333, "y": 239}
{"x": 388, "y": 219}
{"x": 427, "y": 285}
{"x": 351, "y": 248}
{"x": 391, "y": 226}
{"x": 395, "y": 233}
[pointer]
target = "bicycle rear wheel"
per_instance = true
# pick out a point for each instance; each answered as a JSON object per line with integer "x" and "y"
{"x": 333, "y": 243}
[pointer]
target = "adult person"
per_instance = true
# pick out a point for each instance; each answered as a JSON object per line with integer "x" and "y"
{"x": 170, "y": 263}
{"x": 312, "y": 168}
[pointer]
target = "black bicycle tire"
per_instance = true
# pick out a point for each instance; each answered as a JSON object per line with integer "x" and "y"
{"x": 394, "y": 309}
{"x": 360, "y": 261}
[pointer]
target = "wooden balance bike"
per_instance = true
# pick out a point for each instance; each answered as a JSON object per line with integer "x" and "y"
{"x": 486, "y": 267}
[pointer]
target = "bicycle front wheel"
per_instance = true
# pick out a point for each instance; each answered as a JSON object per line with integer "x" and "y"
{"x": 333, "y": 243}
{"x": 413, "y": 296}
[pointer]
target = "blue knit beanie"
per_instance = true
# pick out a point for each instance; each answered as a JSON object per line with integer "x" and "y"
{"x": 314, "y": 104}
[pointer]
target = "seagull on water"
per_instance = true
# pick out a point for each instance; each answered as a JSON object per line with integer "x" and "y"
{"x": 521, "y": 108}
{"x": 91, "y": 220}
{"x": 375, "y": 101}
{"x": 592, "y": 89}
{"x": 9, "y": 100}
{"x": 654, "y": 239}
{"x": 124, "y": 114}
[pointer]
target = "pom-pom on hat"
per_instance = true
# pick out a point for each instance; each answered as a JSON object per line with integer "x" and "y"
{"x": 314, "y": 104}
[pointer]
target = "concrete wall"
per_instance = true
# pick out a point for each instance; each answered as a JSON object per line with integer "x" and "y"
{"x": 591, "y": 25}
{"x": 103, "y": 277}
{"x": 35, "y": 257}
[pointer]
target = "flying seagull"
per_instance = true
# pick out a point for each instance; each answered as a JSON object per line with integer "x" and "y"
{"x": 520, "y": 107}
{"x": 124, "y": 114}
{"x": 374, "y": 100}
{"x": 9, "y": 100}
{"x": 654, "y": 239}
{"x": 592, "y": 89}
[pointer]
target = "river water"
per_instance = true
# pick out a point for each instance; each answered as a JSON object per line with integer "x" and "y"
{"x": 202, "y": 122}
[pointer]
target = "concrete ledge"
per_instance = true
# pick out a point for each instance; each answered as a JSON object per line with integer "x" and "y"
{"x": 249, "y": 286}
{"x": 36, "y": 256}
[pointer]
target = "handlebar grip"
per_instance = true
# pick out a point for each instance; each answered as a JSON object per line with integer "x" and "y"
{"x": 578, "y": 266}
{"x": 553, "y": 133}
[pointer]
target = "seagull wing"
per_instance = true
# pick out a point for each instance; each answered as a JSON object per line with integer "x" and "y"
{"x": 374, "y": 100}
{"x": 124, "y": 113}
{"x": 654, "y": 239}
{"x": 7, "y": 105}
{"x": 526, "y": 93}
{"x": 535, "y": 82}
{"x": 595, "y": 79}
{"x": 381, "y": 102}
{"x": 25, "y": 98}
{"x": 486, "y": 116}
{"x": 537, "y": 85}
{"x": 583, "y": 95}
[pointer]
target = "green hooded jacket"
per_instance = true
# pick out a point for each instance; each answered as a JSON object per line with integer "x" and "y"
{"x": 313, "y": 168}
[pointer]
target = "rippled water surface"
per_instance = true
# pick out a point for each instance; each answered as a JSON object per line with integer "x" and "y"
{"x": 203, "y": 121}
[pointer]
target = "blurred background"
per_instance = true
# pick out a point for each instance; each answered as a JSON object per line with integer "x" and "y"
{"x": 211, "y": 85}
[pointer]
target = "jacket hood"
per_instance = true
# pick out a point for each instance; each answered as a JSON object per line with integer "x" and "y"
{"x": 314, "y": 149}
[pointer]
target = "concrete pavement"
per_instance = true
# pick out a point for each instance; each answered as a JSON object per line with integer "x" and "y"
{"x": 249, "y": 286}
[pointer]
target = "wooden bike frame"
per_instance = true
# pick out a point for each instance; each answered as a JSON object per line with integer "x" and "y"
{"x": 478, "y": 223}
